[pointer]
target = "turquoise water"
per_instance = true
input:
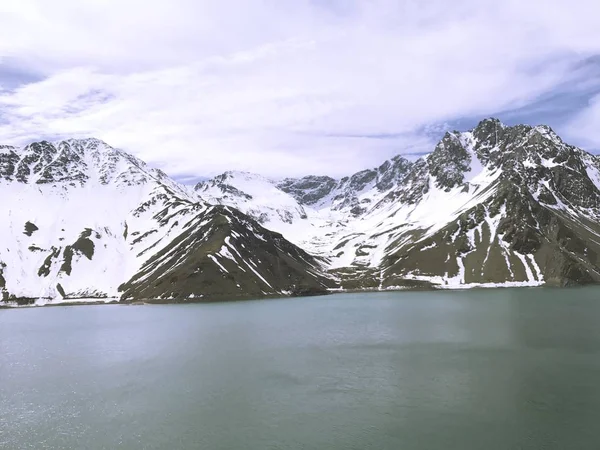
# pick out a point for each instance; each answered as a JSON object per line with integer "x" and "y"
{"x": 486, "y": 369}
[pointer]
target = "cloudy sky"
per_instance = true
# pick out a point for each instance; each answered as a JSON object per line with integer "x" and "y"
{"x": 292, "y": 87}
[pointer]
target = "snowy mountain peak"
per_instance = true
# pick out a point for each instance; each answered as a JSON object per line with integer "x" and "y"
{"x": 73, "y": 162}
{"x": 255, "y": 195}
{"x": 496, "y": 205}
{"x": 236, "y": 183}
{"x": 490, "y": 122}
{"x": 494, "y": 185}
{"x": 7, "y": 148}
{"x": 85, "y": 220}
{"x": 86, "y": 143}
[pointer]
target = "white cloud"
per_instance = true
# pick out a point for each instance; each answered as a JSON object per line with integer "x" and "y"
{"x": 281, "y": 87}
{"x": 584, "y": 128}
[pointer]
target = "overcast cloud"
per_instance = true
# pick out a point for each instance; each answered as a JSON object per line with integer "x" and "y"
{"x": 292, "y": 87}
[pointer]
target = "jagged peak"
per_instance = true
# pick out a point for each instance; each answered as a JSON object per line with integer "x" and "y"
{"x": 490, "y": 121}
{"x": 8, "y": 149}
{"x": 95, "y": 146}
{"x": 233, "y": 176}
{"x": 547, "y": 131}
{"x": 398, "y": 162}
{"x": 246, "y": 175}
{"x": 307, "y": 178}
{"x": 100, "y": 147}
{"x": 74, "y": 161}
{"x": 53, "y": 147}
{"x": 485, "y": 124}
{"x": 69, "y": 141}
{"x": 90, "y": 141}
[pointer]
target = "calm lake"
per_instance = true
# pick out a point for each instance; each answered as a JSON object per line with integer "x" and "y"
{"x": 483, "y": 369}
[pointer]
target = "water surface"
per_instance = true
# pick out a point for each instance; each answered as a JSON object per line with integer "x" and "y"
{"x": 486, "y": 369}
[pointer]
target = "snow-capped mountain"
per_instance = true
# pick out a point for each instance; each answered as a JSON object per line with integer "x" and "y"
{"x": 84, "y": 220}
{"x": 494, "y": 206}
{"x": 498, "y": 205}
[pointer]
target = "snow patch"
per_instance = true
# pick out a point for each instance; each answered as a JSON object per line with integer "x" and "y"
{"x": 213, "y": 259}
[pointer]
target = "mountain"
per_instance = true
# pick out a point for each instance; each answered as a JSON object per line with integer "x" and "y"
{"x": 82, "y": 220}
{"x": 494, "y": 206}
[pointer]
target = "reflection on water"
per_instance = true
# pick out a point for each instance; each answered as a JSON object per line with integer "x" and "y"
{"x": 485, "y": 369}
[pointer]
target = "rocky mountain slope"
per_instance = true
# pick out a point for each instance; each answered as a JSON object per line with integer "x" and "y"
{"x": 495, "y": 206}
{"x": 82, "y": 220}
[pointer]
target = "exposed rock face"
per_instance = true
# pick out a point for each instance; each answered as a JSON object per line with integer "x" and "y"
{"x": 224, "y": 254}
{"x": 449, "y": 162}
{"x": 308, "y": 190}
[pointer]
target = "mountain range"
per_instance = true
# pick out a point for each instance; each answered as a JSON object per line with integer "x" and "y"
{"x": 495, "y": 206}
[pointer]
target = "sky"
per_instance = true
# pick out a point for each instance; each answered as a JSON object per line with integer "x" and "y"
{"x": 293, "y": 87}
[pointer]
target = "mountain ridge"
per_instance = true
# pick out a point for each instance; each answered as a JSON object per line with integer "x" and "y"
{"x": 494, "y": 206}
{"x": 83, "y": 219}
{"x": 465, "y": 170}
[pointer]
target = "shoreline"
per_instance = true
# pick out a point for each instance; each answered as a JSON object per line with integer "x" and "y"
{"x": 201, "y": 300}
